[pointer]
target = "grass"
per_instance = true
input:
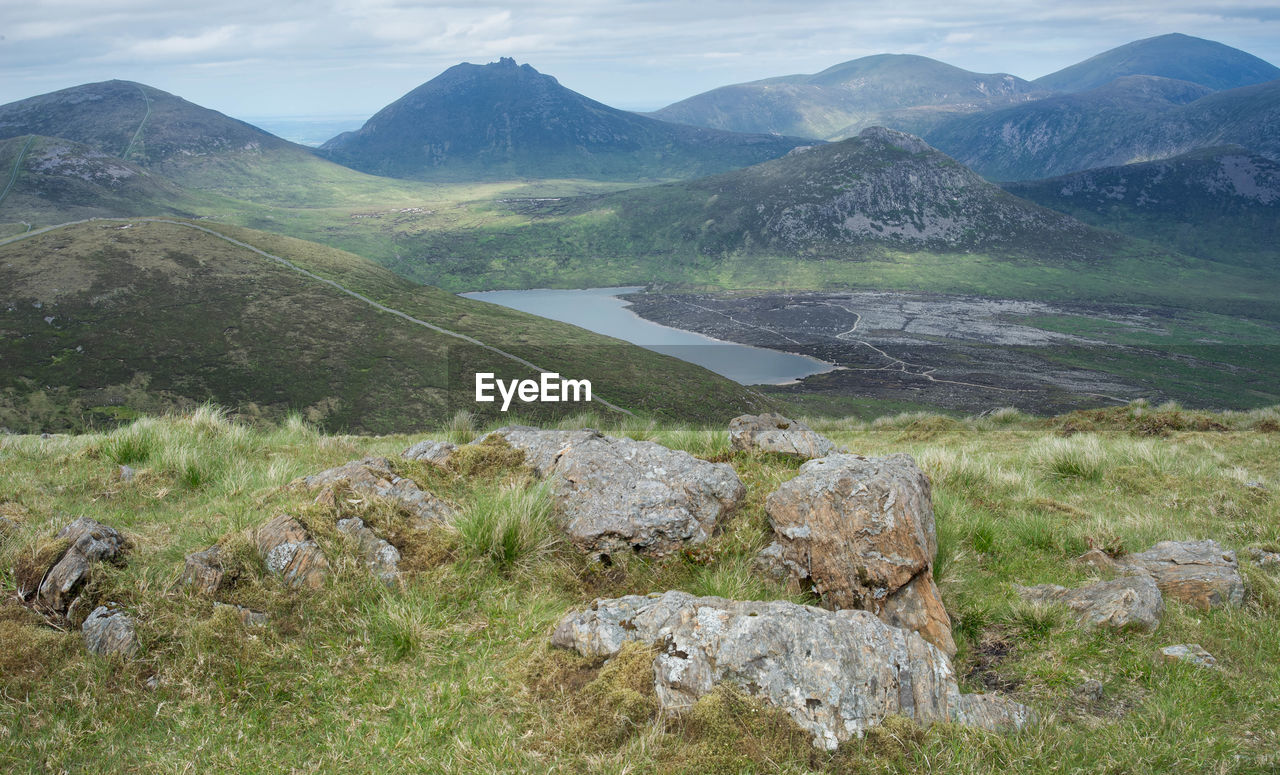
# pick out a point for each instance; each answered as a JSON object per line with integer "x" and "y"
{"x": 452, "y": 672}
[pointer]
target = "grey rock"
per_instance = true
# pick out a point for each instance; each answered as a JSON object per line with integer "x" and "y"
{"x": 1199, "y": 573}
{"x": 373, "y": 476}
{"x": 126, "y": 473}
{"x": 109, "y": 632}
{"x": 289, "y": 551}
{"x": 1127, "y": 602}
{"x": 1264, "y": 558}
{"x": 91, "y": 542}
{"x": 203, "y": 571}
{"x": 836, "y": 673}
{"x": 247, "y": 616}
{"x": 1090, "y": 689}
{"x": 382, "y": 559}
{"x": 861, "y": 530}
{"x": 436, "y": 453}
{"x": 1187, "y": 653}
{"x": 619, "y": 495}
{"x": 774, "y": 433}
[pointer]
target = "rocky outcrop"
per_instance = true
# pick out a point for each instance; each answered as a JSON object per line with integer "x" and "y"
{"x": 1263, "y": 557}
{"x": 861, "y": 531}
{"x": 381, "y": 558}
{"x": 1199, "y": 573}
{"x": 290, "y": 552}
{"x": 203, "y": 571}
{"x": 373, "y": 476}
{"x": 774, "y": 433}
{"x": 108, "y": 632}
{"x": 1188, "y": 654}
{"x": 1129, "y": 602}
{"x": 619, "y": 495}
{"x": 836, "y": 673}
{"x": 436, "y": 453}
{"x": 88, "y": 542}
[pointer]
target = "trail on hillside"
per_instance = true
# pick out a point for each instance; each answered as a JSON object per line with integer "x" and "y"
{"x": 290, "y": 265}
{"x": 17, "y": 167}
{"x": 137, "y": 135}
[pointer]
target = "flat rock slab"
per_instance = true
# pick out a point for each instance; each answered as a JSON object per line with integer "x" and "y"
{"x": 1199, "y": 573}
{"x": 1128, "y": 602}
{"x": 774, "y": 433}
{"x": 836, "y": 673}
{"x": 1187, "y": 653}
{"x": 619, "y": 495}
{"x": 109, "y": 632}
{"x": 373, "y": 476}
{"x": 437, "y": 453}
{"x": 90, "y": 542}
{"x": 290, "y": 552}
{"x": 380, "y": 557}
{"x": 861, "y": 530}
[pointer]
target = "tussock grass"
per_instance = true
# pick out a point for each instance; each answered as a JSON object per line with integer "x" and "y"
{"x": 451, "y": 672}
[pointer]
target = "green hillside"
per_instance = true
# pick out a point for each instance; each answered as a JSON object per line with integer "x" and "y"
{"x": 104, "y": 319}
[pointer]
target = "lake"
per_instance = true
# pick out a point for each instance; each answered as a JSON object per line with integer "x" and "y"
{"x": 600, "y": 310}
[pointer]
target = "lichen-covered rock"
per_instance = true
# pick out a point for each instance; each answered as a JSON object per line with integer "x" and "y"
{"x": 1263, "y": 557}
{"x": 382, "y": 559}
{"x": 290, "y": 552}
{"x": 109, "y": 631}
{"x": 836, "y": 673}
{"x": 774, "y": 433}
{"x": 247, "y": 616}
{"x": 437, "y": 453}
{"x": 89, "y": 542}
{"x": 861, "y": 530}
{"x": 203, "y": 571}
{"x": 1187, "y": 653}
{"x": 1127, "y": 602}
{"x": 373, "y": 476}
{"x": 1199, "y": 573}
{"x": 619, "y": 495}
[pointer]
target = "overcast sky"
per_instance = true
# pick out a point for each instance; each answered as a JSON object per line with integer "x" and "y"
{"x": 256, "y": 58}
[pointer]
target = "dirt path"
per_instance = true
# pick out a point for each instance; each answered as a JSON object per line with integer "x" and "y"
{"x": 17, "y": 167}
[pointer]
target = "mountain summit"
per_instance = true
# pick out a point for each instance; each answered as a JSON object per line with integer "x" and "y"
{"x": 1176, "y": 56}
{"x": 504, "y": 120}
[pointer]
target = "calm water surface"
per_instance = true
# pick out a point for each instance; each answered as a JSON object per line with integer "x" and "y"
{"x": 600, "y": 310}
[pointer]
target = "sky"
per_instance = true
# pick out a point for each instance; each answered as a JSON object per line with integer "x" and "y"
{"x": 345, "y": 58}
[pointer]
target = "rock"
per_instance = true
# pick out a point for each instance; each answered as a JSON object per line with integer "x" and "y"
{"x": 1199, "y": 573}
{"x": 619, "y": 495}
{"x": 90, "y": 542}
{"x": 836, "y": 673}
{"x": 289, "y": 551}
{"x": 373, "y": 476}
{"x": 437, "y": 453}
{"x": 380, "y": 557}
{"x": 126, "y": 473}
{"x": 1264, "y": 558}
{"x": 1091, "y": 690}
{"x": 861, "y": 530}
{"x": 247, "y": 616}
{"x": 1187, "y": 653}
{"x": 1127, "y": 602}
{"x": 108, "y": 632}
{"x": 774, "y": 433}
{"x": 203, "y": 571}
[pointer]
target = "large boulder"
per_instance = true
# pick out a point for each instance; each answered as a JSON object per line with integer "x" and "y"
{"x": 380, "y": 557}
{"x": 88, "y": 542}
{"x": 109, "y": 631}
{"x": 1130, "y": 602}
{"x": 290, "y": 552}
{"x": 373, "y": 476}
{"x": 619, "y": 495}
{"x": 774, "y": 433}
{"x": 436, "y": 453}
{"x": 836, "y": 673}
{"x": 861, "y": 531}
{"x": 1199, "y": 573}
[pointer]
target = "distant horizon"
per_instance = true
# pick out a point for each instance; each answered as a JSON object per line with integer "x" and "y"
{"x": 294, "y": 60}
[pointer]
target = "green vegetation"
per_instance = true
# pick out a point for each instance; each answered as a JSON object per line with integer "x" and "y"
{"x": 452, "y": 671}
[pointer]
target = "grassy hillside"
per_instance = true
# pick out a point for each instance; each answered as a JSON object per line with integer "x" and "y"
{"x": 105, "y": 319}
{"x": 1177, "y": 56}
{"x": 452, "y": 672}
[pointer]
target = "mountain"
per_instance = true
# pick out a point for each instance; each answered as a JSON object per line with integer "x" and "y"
{"x": 1221, "y": 204}
{"x": 1132, "y": 119}
{"x": 1176, "y": 56}
{"x": 898, "y": 90}
{"x": 504, "y": 120}
{"x": 103, "y": 319}
{"x": 193, "y": 146}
